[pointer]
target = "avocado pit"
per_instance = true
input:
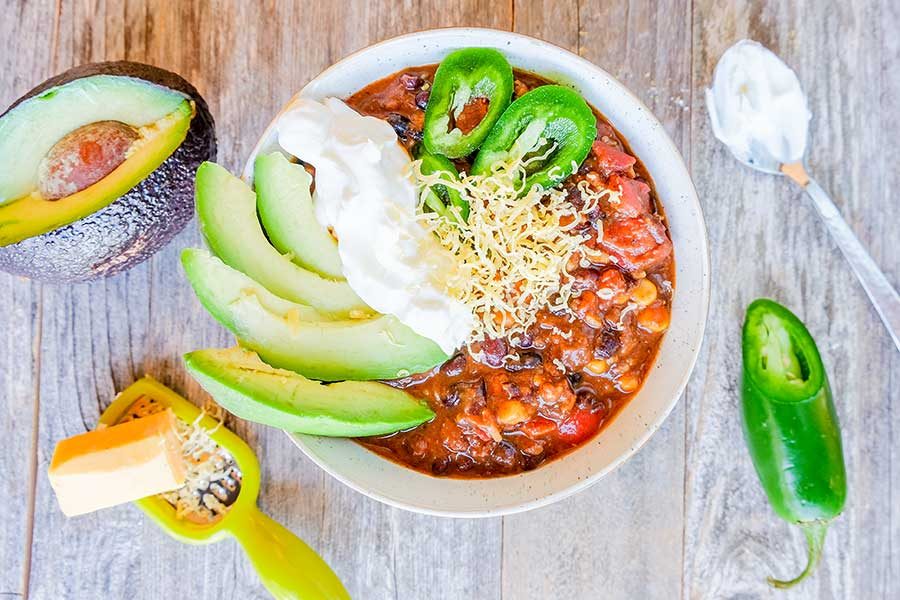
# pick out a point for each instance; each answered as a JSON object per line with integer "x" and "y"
{"x": 84, "y": 157}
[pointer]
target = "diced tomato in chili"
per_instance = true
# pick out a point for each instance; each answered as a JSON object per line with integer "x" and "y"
{"x": 538, "y": 427}
{"x": 611, "y": 159}
{"x": 581, "y": 425}
{"x": 595, "y": 279}
{"x": 472, "y": 114}
{"x": 635, "y": 198}
{"x": 612, "y": 281}
{"x": 637, "y": 243}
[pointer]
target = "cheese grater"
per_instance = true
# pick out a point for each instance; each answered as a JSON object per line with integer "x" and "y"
{"x": 287, "y": 567}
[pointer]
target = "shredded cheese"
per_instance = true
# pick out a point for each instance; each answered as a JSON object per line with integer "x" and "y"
{"x": 514, "y": 250}
{"x": 212, "y": 478}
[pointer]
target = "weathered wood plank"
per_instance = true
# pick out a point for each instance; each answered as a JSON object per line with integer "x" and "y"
{"x": 621, "y": 538}
{"x": 19, "y": 322}
{"x": 766, "y": 240}
{"x": 888, "y": 158}
{"x": 23, "y": 62}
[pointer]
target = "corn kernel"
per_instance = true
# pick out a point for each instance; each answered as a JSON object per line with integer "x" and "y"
{"x": 593, "y": 321}
{"x": 512, "y": 412}
{"x": 597, "y": 366}
{"x": 628, "y": 383}
{"x": 644, "y": 293}
{"x": 654, "y": 319}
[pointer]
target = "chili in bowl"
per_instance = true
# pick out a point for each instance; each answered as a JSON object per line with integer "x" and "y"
{"x": 556, "y": 389}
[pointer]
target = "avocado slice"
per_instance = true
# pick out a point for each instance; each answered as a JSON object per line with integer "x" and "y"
{"x": 286, "y": 211}
{"x": 286, "y": 335}
{"x": 247, "y": 387}
{"x": 227, "y": 210}
{"x": 122, "y": 214}
{"x": 211, "y": 278}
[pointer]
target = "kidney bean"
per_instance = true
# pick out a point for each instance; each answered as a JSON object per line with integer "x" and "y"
{"x": 422, "y": 99}
{"x": 608, "y": 344}
{"x": 411, "y": 81}
{"x": 493, "y": 352}
{"x": 454, "y": 366}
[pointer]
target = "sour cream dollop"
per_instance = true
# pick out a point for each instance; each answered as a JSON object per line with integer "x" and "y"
{"x": 364, "y": 193}
{"x": 757, "y": 106}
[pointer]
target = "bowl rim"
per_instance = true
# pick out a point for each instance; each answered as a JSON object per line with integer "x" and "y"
{"x": 672, "y": 152}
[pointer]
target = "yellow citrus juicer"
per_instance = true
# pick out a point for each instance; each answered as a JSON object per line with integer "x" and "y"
{"x": 287, "y": 567}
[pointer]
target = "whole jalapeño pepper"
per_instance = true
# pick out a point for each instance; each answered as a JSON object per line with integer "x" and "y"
{"x": 790, "y": 425}
{"x": 442, "y": 199}
{"x": 470, "y": 81}
{"x": 551, "y": 128}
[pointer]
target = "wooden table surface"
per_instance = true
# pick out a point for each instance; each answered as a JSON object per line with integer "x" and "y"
{"x": 685, "y": 517}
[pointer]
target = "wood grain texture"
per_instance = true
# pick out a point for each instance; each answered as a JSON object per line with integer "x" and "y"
{"x": 683, "y": 518}
{"x": 767, "y": 241}
{"x": 20, "y": 325}
{"x": 622, "y": 538}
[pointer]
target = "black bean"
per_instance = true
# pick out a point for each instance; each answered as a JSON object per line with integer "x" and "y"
{"x": 526, "y": 340}
{"x": 574, "y": 380}
{"x": 505, "y": 454}
{"x": 608, "y": 344}
{"x": 588, "y": 400}
{"x": 464, "y": 462}
{"x": 585, "y": 399}
{"x": 470, "y": 394}
{"x": 451, "y": 399}
{"x": 531, "y": 462}
{"x": 403, "y": 127}
{"x": 526, "y": 360}
{"x": 440, "y": 465}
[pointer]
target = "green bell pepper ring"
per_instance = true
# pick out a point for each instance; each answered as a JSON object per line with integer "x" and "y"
{"x": 790, "y": 425}
{"x": 463, "y": 76}
{"x": 550, "y": 119}
{"x": 441, "y": 198}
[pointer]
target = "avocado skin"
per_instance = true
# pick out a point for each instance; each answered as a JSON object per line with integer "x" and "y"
{"x": 131, "y": 229}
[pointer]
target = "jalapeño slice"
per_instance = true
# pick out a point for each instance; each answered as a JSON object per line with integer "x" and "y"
{"x": 468, "y": 83}
{"x": 551, "y": 127}
{"x": 440, "y": 198}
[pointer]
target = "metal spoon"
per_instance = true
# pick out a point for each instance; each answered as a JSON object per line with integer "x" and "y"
{"x": 883, "y": 296}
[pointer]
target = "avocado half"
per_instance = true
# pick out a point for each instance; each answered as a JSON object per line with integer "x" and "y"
{"x": 161, "y": 127}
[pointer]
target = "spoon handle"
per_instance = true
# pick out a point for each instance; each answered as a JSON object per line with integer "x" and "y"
{"x": 883, "y": 296}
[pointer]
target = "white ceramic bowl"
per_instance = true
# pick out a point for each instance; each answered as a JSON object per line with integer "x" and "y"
{"x": 399, "y": 486}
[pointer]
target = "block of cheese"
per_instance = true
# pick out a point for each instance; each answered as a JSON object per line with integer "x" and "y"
{"x": 118, "y": 464}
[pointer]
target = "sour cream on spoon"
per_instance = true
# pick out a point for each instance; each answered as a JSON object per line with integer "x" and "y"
{"x": 364, "y": 194}
{"x": 757, "y": 106}
{"x": 758, "y": 109}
